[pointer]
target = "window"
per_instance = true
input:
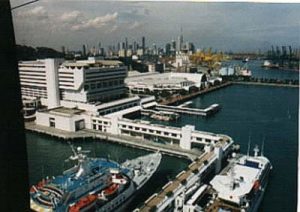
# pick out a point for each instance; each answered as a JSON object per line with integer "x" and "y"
{"x": 93, "y": 86}
{"x": 99, "y": 85}
{"x": 86, "y": 87}
{"x": 52, "y": 122}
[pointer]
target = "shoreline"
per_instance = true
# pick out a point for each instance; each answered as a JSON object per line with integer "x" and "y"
{"x": 129, "y": 141}
{"x": 265, "y": 84}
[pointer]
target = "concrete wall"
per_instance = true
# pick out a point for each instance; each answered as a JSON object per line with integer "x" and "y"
{"x": 65, "y": 123}
{"x": 52, "y": 82}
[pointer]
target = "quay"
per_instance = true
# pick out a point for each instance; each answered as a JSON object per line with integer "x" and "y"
{"x": 131, "y": 141}
{"x": 192, "y": 111}
{"x": 181, "y": 99}
{"x": 265, "y": 84}
{"x": 210, "y": 162}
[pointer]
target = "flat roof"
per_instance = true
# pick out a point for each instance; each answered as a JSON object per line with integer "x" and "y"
{"x": 65, "y": 111}
{"x": 91, "y": 63}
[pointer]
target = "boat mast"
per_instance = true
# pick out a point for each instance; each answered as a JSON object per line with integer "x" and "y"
{"x": 249, "y": 144}
{"x": 262, "y": 147}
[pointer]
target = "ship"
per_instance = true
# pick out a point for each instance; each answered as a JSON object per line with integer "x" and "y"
{"x": 270, "y": 65}
{"x": 239, "y": 187}
{"x": 93, "y": 184}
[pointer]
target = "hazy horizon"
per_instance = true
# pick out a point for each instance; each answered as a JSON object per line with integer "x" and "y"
{"x": 222, "y": 26}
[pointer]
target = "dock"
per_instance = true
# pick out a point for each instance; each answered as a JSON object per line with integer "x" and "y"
{"x": 181, "y": 99}
{"x": 191, "y": 111}
{"x": 130, "y": 141}
{"x": 266, "y": 84}
{"x": 161, "y": 200}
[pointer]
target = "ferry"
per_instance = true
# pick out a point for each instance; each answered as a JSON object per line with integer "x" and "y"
{"x": 93, "y": 184}
{"x": 238, "y": 188}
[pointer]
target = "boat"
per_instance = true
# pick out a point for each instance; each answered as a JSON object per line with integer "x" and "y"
{"x": 241, "y": 185}
{"x": 245, "y": 60}
{"x": 93, "y": 184}
{"x": 269, "y": 64}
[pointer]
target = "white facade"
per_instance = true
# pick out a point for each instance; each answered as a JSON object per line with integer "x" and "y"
{"x": 60, "y": 120}
{"x": 164, "y": 81}
{"x": 53, "y": 80}
{"x": 181, "y": 60}
{"x": 52, "y": 83}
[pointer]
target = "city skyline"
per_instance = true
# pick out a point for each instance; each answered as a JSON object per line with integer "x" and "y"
{"x": 221, "y": 26}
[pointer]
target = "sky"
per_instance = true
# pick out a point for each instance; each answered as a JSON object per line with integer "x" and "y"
{"x": 221, "y": 26}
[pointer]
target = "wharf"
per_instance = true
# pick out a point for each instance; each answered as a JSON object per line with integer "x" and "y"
{"x": 168, "y": 190}
{"x": 192, "y": 111}
{"x": 181, "y": 99}
{"x": 266, "y": 84}
{"x": 120, "y": 139}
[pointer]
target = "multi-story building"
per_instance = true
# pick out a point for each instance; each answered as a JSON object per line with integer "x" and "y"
{"x": 86, "y": 84}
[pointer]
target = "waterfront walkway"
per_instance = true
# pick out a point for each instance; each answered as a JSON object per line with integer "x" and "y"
{"x": 176, "y": 99}
{"x": 266, "y": 84}
{"x": 121, "y": 139}
{"x": 192, "y": 111}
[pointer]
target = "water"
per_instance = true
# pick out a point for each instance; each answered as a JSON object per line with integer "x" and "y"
{"x": 258, "y": 113}
{"x": 259, "y": 72}
{"x": 46, "y": 156}
{"x": 248, "y": 112}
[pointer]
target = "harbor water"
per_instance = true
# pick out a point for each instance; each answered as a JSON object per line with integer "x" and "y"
{"x": 249, "y": 113}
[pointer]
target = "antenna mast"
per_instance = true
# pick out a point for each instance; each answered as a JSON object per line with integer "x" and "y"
{"x": 249, "y": 144}
{"x": 262, "y": 147}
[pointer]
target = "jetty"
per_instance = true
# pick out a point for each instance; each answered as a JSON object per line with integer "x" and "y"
{"x": 130, "y": 141}
{"x": 181, "y": 99}
{"x": 192, "y": 111}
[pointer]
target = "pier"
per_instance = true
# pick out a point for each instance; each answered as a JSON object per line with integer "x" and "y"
{"x": 181, "y": 99}
{"x": 196, "y": 171}
{"x": 130, "y": 141}
{"x": 266, "y": 84}
{"x": 192, "y": 111}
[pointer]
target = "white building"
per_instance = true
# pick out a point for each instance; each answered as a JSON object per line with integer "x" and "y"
{"x": 182, "y": 60}
{"x": 85, "y": 84}
{"x": 164, "y": 81}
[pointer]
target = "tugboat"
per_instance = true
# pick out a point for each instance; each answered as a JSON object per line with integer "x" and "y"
{"x": 93, "y": 184}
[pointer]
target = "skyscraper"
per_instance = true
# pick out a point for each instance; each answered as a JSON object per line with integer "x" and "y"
{"x": 143, "y": 44}
{"x": 84, "y": 50}
{"x": 126, "y": 43}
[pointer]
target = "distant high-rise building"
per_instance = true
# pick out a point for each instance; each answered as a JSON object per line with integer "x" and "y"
{"x": 63, "y": 50}
{"x": 143, "y": 44}
{"x": 84, "y": 50}
{"x": 126, "y": 43}
{"x": 180, "y": 41}
{"x": 168, "y": 49}
{"x": 173, "y": 45}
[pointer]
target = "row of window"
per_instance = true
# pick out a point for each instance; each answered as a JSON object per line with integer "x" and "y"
{"x": 120, "y": 107}
{"x": 150, "y": 130}
{"x": 105, "y": 84}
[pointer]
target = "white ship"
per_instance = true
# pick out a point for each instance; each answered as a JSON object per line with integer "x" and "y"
{"x": 241, "y": 185}
{"x": 238, "y": 188}
{"x": 94, "y": 184}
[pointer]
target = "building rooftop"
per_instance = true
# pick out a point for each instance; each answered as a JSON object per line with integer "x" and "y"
{"x": 94, "y": 63}
{"x": 64, "y": 111}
